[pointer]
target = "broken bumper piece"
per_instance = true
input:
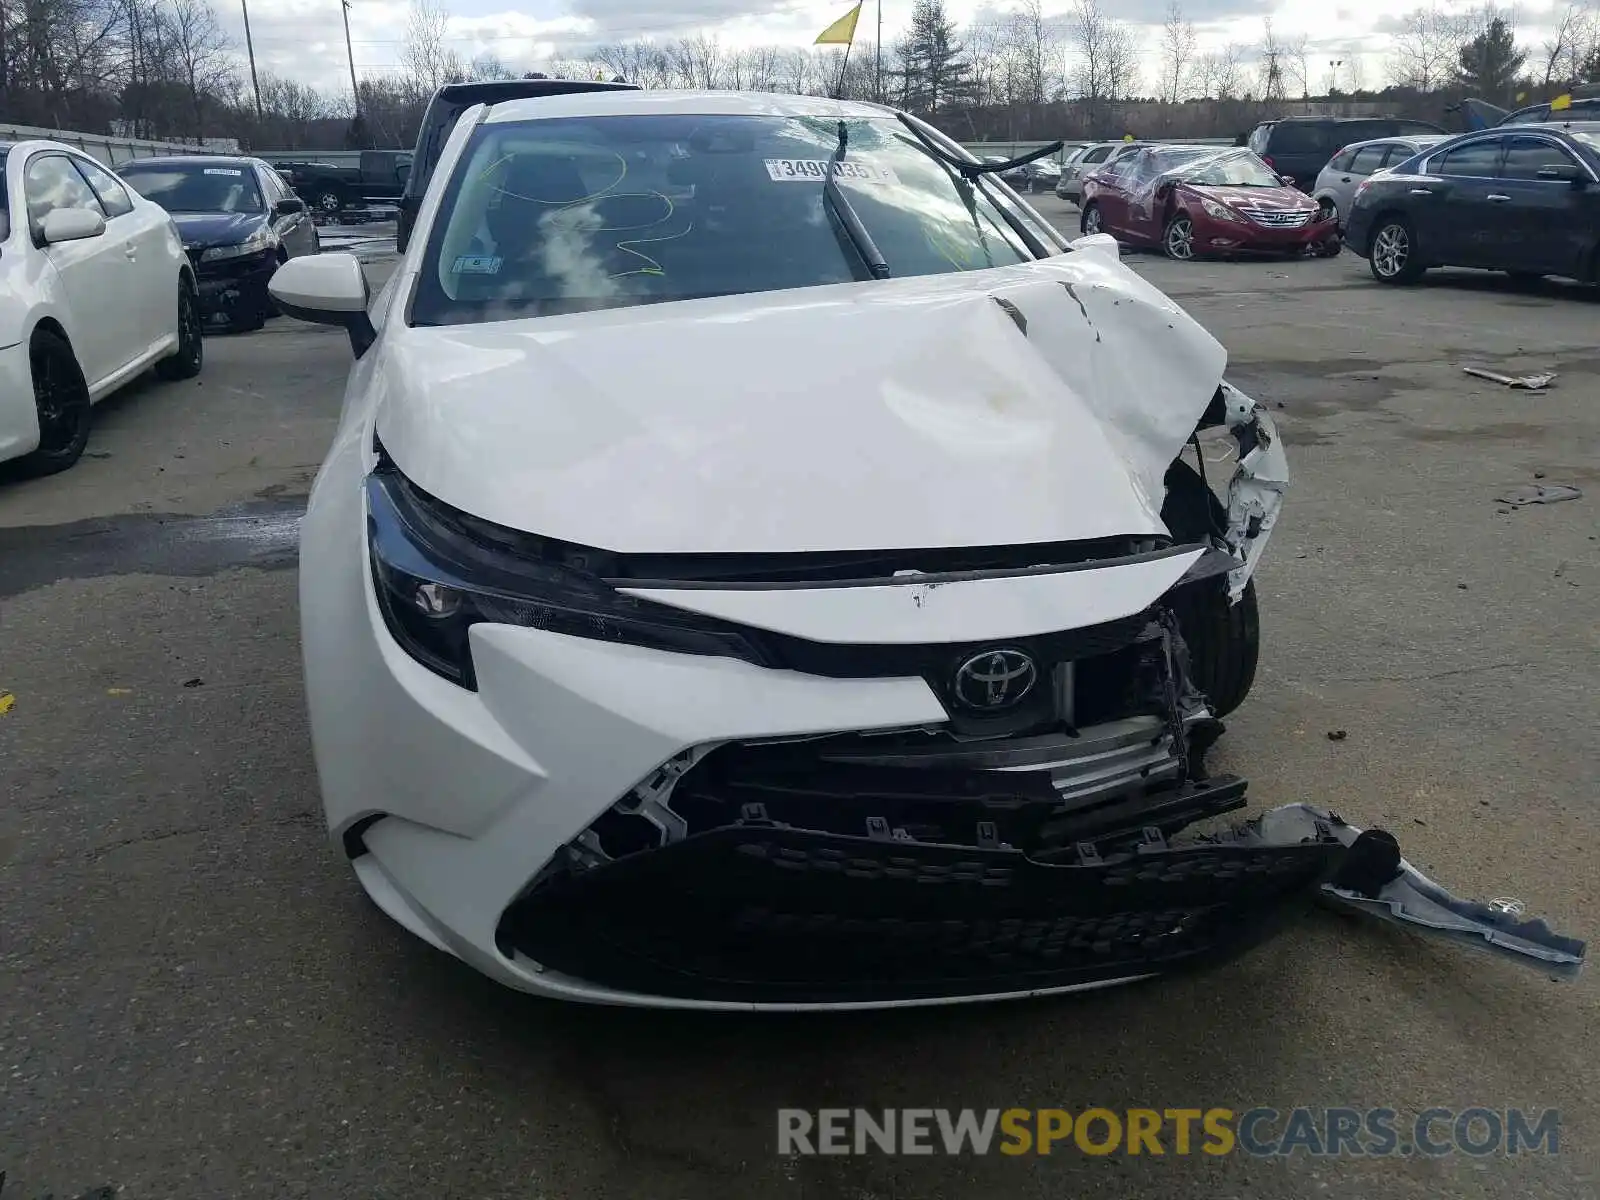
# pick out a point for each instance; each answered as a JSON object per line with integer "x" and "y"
{"x": 1374, "y": 880}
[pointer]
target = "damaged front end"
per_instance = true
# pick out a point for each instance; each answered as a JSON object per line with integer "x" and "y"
{"x": 1042, "y": 846}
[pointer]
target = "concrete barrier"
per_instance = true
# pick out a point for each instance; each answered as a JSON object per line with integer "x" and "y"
{"x": 114, "y": 151}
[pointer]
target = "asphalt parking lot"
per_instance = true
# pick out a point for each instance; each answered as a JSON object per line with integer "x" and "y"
{"x": 196, "y": 1000}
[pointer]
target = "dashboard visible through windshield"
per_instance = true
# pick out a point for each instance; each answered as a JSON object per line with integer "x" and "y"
{"x": 569, "y": 214}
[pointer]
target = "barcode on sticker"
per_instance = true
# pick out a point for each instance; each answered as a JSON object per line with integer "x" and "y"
{"x": 795, "y": 170}
{"x": 223, "y": 171}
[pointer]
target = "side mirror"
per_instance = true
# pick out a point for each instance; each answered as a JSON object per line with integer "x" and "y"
{"x": 327, "y": 289}
{"x": 70, "y": 225}
{"x": 289, "y": 206}
{"x": 1101, "y": 245}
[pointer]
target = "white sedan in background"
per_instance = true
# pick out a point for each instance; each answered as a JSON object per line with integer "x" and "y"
{"x": 94, "y": 288}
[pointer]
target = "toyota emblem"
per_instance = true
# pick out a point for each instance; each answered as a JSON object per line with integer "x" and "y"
{"x": 994, "y": 679}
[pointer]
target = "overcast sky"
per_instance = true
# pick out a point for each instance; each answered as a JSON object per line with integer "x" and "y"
{"x": 303, "y": 39}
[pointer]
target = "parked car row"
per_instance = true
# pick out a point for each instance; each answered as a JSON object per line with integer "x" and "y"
{"x": 103, "y": 276}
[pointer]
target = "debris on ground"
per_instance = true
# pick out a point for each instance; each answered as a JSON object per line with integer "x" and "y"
{"x": 1528, "y": 383}
{"x": 1539, "y": 493}
{"x": 6, "y": 701}
{"x": 193, "y": 683}
{"x": 1337, "y": 735}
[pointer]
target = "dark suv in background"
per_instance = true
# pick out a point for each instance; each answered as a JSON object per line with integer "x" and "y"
{"x": 1299, "y": 147}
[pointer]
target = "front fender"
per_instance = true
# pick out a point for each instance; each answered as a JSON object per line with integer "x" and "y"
{"x": 1256, "y": 491}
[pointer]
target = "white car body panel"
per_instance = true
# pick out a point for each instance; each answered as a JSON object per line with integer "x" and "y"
{"x": 910, "y": 412}
{"x": 115, "y": 296}
{"x": 844, "y": 401}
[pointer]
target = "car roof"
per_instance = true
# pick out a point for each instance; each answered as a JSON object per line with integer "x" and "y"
{"x": 215, "y": 160}
{"x": 1419, "y": 140}
{"x": 632, "y": 101}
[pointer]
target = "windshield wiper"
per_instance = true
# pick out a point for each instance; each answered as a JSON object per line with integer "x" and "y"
{"x": 970, "y": 171}
{"x": 833, "y": 196}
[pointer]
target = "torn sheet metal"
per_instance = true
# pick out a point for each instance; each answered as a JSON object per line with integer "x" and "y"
{"x": 1255, "y": 494}
{"x": 1539, "y": 493}
{"x": 1530, "y": 383}
{"x": 1376, "y": 881}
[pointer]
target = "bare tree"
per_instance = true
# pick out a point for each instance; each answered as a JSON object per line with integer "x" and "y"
{"x": 427, "y": 59}
{"x": 1177, "y": 54}
{"x": 1355, "y": 70}
{"x": 1299, "y": 57}
{"x": 1103, "y": 59}
{"x": 1271, "y": 64}
{"x": 1222, "y": 72}
{"x": 1426, "y": 48}
{"x": 1574, "y": 44}
{"x": 489, "y": 65}
{"x": 200, "y": 49}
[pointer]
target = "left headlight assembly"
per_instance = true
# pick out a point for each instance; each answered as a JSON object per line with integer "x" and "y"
{"x": 437, "y": 573}
{"x": 1220, "y": 211}
{"x": 261, "y": 240}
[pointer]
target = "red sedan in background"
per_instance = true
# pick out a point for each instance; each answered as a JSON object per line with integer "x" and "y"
{"x": 1195, "y": 201}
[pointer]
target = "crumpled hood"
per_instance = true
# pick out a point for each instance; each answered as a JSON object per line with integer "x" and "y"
{"x": 216, "y": 229}
{"x": 904, "y": 414}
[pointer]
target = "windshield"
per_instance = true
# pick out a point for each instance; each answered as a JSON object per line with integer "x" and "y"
{"x": 198, "y": 187}
{"x": 1232, "y": 168}
{"x": 1591, "y": 140}
{"x": 569, "y": 214}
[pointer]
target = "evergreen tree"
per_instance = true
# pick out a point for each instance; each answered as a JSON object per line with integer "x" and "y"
{"x": 1490, "y": 62}
{"x": 934, "y": 68}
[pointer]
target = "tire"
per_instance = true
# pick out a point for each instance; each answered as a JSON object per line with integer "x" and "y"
{"x": 1089, "y": 222}
{"x": 61, "y": 397}
{"x": 1393, "y": 257}
{"x": 1177, "y": 239}
{"x": 328, "y": 201}
{"x": 191, "y": 355}
{"x": 1223, "y": 638}
{"x": 251, "y": 321}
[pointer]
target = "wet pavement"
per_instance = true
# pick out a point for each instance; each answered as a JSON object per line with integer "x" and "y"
{"x": 196, "y": 1000}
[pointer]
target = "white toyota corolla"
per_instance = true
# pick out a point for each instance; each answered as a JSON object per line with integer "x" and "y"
{"x": 94, "y": 289}
{"x": 757, "y": 566}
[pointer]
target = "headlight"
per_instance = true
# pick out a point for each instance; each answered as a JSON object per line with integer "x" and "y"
{"x": 1218, "y": 210}
{"x": 438, "y": 572}
{"x": 259, "y": 241}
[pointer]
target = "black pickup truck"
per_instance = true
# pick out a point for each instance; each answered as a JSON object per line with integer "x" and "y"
{"x": 329, "y": 187}
{"x": 448, "y": 103}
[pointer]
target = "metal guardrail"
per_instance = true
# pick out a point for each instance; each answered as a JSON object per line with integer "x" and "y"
{"x": 114, "y": 151}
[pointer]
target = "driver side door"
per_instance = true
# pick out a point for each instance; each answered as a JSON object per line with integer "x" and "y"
{"x": 96, "y": 273}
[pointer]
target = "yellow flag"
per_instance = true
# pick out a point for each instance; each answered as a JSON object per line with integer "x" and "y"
{"x": 843, "y": 31}
{"x": 1561, "y": 103}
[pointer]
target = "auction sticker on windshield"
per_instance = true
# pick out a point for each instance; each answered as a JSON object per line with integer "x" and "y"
{"x": 787, "y": 170}
{"x": 223, "y": 171}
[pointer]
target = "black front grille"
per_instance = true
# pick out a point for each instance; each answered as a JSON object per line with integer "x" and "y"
{"x": 756, "y": 912}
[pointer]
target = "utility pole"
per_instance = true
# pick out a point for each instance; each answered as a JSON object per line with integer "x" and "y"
{"x": 250, "y": 50}
{"x": 355, "y": 92}
{"x": 877, "y": 59}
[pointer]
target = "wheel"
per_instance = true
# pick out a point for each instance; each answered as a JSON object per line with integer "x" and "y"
{"x": 61, "y": 398}
{"x": 1178, "y": 238}
{"x": 1223, "y": 638}
{"x": 1393, "y": 258}
{"x": 329, "y": 202}
{"x": 1090, "y": 221}
{"x": 191, "y": 355}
